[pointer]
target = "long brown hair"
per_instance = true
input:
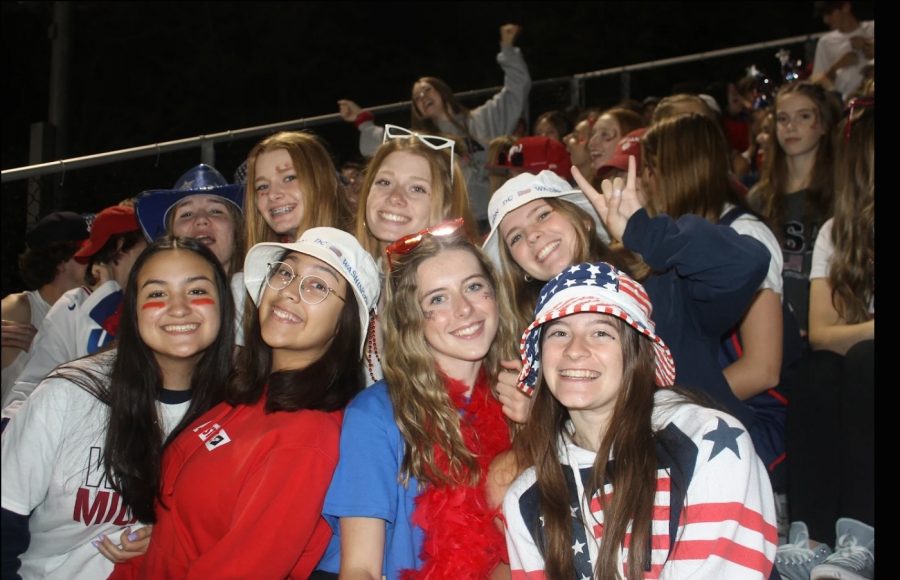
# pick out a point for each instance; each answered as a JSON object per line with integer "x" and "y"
{"x": 318, "y": 182}
{"x": 852, "y": 274}
{"x": 449, "y": 196}
{"x": 423, "y": 410}
{"x": 524, "y": 290}
{"x": 689, "y": 158}
{"x": 768, "y": 195}
{"x": 633, "y": 479}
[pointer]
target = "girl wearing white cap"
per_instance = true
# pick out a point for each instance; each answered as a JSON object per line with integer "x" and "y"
{"x": 626, "y": 478}
{"x": 408, "y": 492}
{"x": 243, "y": 486}
{"x": 701, "y": 275}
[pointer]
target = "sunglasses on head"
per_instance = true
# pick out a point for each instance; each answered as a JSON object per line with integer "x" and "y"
{"x": 407, "y": 244}
{"x": 432, "y": 141}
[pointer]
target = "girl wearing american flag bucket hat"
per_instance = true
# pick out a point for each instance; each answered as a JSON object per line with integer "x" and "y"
{"x": 626, "y": 476}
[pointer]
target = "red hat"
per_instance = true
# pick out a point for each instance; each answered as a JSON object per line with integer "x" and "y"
{"x": 630, "y": 144}
{"x": 534, "y": 154}
{"x": 117, "y": 219}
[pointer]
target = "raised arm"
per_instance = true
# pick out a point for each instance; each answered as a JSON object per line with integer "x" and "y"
{"x": 499, "y": 115}
{"x": 370, "y": 134}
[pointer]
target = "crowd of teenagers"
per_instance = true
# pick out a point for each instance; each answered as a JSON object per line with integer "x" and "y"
{"x": 638, "y": 343}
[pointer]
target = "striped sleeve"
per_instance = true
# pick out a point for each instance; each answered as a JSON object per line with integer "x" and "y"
{"x": 727, "y": 527}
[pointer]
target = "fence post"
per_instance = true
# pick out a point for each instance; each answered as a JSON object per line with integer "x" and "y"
{"x": 625, "y": 85}
{"x": 576, "y": 92}
{"x": 208, "y": 152}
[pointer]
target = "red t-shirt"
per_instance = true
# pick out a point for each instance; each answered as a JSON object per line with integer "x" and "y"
{"x": 242, "y": 496}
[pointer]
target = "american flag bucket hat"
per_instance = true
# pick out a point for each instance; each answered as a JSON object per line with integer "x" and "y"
{"x": 599, "y": 288}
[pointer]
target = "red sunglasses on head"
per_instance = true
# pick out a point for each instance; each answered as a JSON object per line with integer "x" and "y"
{"x": 406, "y": 244}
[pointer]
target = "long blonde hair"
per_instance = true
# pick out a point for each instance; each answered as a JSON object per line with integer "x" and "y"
{"x": 317, "y": 178}
{"x": 852, "y": 274}
{"x": 423, "y": 410}
{"x": 449, "y": 196}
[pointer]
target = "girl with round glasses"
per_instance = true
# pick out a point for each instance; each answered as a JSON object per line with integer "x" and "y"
{"x": 82, "y": 459}
{"x": 409, "y": 490}
{"x": 437, "y": 111}
{"x": 243, "y": 486}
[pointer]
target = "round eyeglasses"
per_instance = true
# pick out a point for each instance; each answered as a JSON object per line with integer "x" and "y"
{"x": 313, "y": 289}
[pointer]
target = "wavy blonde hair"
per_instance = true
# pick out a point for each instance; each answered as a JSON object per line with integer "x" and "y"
{"x": 317, "y": 178}
{"x": 852, "y": 274}
{"x": 424, "y": 413}
{"x": 449, "y": 197}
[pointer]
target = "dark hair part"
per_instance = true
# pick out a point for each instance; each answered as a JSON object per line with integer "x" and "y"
{"x": 39, "y": 266}
{"x": 111, "y": 252}
{"x": 133, "y": 447}
{"x": 327, "y": 384}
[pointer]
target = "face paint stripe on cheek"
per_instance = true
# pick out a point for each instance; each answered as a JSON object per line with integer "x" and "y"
{"x": 148, "y": 305}
{"x": 202, "y": 301}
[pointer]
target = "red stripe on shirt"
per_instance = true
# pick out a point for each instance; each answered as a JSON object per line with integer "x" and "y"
{"x": 725, "y": 549}
{"x": 744, "y": 516}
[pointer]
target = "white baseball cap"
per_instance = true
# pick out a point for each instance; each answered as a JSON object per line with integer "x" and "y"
{"x": 527, "y": 187}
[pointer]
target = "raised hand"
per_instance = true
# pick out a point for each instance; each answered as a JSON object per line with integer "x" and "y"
{"x": 348, "y": 110}
{"x": 619, "y": 200}
{"x": 508, "y": 34}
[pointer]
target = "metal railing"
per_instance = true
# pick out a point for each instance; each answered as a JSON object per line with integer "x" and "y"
{"x": 207, "y": 143}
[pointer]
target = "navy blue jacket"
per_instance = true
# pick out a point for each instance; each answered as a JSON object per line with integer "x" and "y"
{"x": 704, "y": 277}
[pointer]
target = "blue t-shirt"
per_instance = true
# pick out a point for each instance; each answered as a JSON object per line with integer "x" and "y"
{"x": 366, "y": 483}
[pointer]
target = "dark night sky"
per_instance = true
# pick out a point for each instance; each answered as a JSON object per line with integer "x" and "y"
{"x": 145, "y": 72}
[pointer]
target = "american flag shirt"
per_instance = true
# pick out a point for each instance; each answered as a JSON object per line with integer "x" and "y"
{"x": 713, "y": 513}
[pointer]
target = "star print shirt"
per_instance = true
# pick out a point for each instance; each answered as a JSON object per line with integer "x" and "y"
{"x": 713, "y": 516}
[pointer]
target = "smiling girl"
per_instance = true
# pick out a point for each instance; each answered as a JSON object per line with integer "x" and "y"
{"x": 408, "y": 492}
{"x": 292, "y": 185}
{"x": 626, "y": 478}
{"x": 82, "y": 460}
{"x": 243, "y": 486}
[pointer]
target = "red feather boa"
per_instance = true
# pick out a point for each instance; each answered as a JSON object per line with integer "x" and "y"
{"x": 461, "y": 539}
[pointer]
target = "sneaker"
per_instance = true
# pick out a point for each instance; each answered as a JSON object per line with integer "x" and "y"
{"x": 854, "y": 558}
{"x": 795, "y": 560}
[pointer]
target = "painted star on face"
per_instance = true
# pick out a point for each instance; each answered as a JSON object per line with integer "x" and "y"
{"x": 723, "y": 437}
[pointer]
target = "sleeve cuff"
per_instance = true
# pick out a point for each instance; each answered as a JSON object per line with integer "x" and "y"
{"x": 363, "y": 117}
